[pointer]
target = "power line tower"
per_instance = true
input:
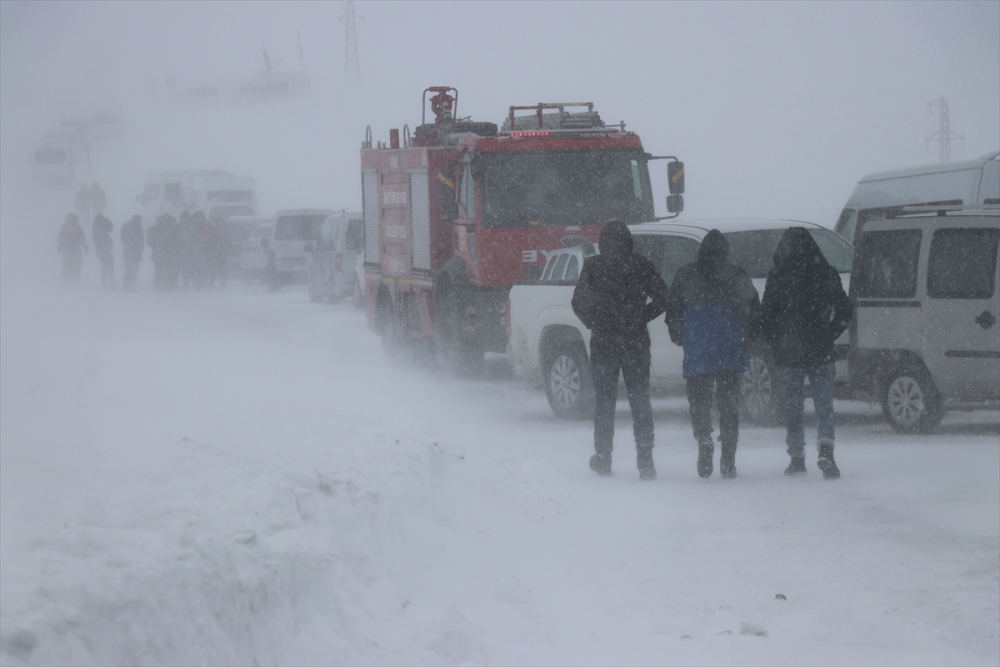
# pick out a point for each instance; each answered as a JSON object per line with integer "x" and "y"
{"x": 944, "y": 135}
{"x": 352, "y": 71}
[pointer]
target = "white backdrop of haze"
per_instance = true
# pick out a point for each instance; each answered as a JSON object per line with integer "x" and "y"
{"x": 156, "y": 511}
{"x": 776, "y": 108}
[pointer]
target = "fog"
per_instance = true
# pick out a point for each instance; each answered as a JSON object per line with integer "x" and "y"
{"x": 242, "y": 476}
{"x": 777, "y": 109}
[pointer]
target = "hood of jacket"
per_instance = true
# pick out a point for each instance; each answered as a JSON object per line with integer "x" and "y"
{"x": 797, "y": 247}
{"x": 616, "y": 239}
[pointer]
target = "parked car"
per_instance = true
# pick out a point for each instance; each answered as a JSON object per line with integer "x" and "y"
{"x": 253, "y": 253}
{"x": 925, "y": 336}
{"x": 549, "y": 345}
{"x": 332, "y": 273}
{"x": 295, "y": 238}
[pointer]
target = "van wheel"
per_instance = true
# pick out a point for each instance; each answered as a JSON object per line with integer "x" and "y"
{"x": 273, "y": 280}
{"x": 568, "y": 384}
{"x": 317, "y": 283}
{"x": 911, "y": 402}
{"x": 762, "y": 400}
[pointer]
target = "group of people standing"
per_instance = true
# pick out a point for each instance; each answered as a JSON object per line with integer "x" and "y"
{"x": 713, "y": 310}
{"x": 190, "y": 252}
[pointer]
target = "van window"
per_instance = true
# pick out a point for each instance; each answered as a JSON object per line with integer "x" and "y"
{"x": 962, "y": 263}
{"x": 354, "y": 237}
{"x": 572, "y": 269}
{"x": 847, "y": 223}
{"x": 886, "y": 266}
{"x": 298, "y": 227}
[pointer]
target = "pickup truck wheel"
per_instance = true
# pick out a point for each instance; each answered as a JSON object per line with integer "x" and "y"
{"x": 568, "y": 384}
{"x": 910, "y": 402}
{"x": 762, "y": 400}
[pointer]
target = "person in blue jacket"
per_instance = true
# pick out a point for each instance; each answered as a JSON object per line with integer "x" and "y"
{"x": 709, "y": 311}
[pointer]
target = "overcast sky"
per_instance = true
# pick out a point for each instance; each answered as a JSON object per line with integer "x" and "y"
{"x": 776, "y": 108}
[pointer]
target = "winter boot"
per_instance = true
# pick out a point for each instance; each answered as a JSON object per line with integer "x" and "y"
{"x": 644, "y": 459}
{"x": 727, "y": 462}
{"x": 705, "y": 451}
{"x": 796, "y": 467}
{"x": 601, "y": 464}
{"x": 826, "y": 462}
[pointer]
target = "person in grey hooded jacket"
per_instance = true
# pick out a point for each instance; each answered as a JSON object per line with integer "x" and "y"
{"x": 618, "y": 294}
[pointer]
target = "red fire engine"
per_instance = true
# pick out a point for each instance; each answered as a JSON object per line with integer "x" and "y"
{"x": 460, "y": 211}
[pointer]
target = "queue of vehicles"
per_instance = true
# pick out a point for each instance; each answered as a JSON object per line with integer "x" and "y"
{"x": 474, "y": 236}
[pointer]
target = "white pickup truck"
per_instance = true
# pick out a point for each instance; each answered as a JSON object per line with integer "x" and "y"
{"x": 550, "y": 347}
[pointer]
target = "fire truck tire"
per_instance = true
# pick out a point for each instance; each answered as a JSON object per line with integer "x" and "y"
{"x": 568, "y": 385}
{"x": 392, "y": 342}
{"x": 459, "y": 355}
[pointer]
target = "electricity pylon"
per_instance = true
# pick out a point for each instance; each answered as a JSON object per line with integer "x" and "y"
{"x": 944, "y": 135}
{"x": 352, "y": 71}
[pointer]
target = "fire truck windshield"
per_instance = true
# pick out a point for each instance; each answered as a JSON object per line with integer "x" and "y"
{"x": 578, "y": 187}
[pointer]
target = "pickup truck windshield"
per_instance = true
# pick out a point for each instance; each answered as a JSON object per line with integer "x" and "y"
{"x": 754, "y": 251}
{"x": 579, "y": 187}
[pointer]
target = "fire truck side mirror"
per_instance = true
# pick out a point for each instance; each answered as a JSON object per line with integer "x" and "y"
{"x": 675, "y": 203}
{"x": 675, "y": 177}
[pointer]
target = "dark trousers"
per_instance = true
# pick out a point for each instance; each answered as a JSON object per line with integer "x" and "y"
{"x": 605, "y": 368}
{"x": 727, "y": 394}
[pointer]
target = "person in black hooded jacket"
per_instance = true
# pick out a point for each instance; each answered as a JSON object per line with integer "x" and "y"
{"x": 710, "y": 310}
{"x": 618, "y": 294}
{"x": 803, "y": 312}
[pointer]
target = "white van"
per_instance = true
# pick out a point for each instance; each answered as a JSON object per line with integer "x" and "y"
{"x": 295, "y": 237}
{"x": 883, "y": 194}
{"x": 926, "y": 291}
{"x": 174, "y": 192}
{"x": 332, "y": 274}
{"x": 53, "y": 161}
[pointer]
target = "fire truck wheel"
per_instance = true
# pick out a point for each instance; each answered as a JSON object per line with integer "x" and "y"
{"x": 460, "y": 356}
{"x": 568, "y": 384}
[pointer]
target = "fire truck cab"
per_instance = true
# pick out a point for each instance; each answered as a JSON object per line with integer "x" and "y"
{"x": 460, "y": 211}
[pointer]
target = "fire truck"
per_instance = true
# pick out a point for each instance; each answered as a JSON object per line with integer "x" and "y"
{"x": 461, "y": 210}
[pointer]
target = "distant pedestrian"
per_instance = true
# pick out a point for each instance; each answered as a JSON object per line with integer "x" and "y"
{"x": 98, "y": 200}
{"x": 611, "y": 300}
{"x": 162, "y": 240}
{"x": 82, "y": 202}
{"x": 803, "y": 312}
{"x": 218, "y": 263}
{"x": 104, "y": 249}
{"x": 204, "y": 241}
{"x": 133, "y": 241}
{"x": 709, "y": 313}
{"x": 187, "y": 249}
{"x": 72, "y": 245}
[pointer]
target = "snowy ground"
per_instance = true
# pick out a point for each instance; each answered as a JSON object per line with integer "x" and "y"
{"x": 242, "y": 477}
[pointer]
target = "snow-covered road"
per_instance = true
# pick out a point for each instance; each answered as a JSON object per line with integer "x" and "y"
{"x": 241, "y": 477}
